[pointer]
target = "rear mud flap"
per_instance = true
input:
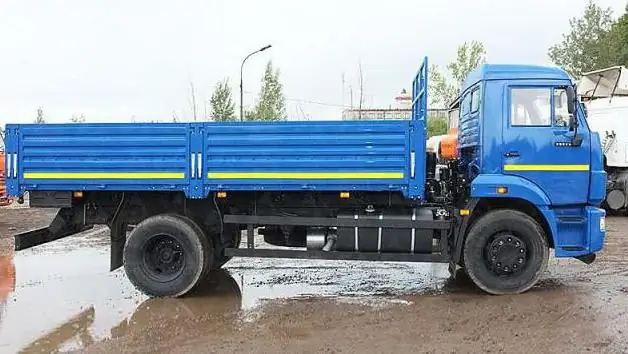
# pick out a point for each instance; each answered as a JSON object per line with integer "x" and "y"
{"x": 118, "y": 239}
{"x": 63, "y": 225}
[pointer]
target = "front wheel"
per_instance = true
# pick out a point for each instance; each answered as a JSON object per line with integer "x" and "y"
{"x": 167, "y": 256}
{"x": 505, "y": 252}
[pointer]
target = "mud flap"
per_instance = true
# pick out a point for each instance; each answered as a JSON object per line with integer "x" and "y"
{"x": 461, "y": 231}
{"x": 587, "y": 258}
{"x": 118, "y": 239}
{"x": 64, "y": 224}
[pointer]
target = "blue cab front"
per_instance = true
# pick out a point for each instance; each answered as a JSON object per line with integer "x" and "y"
{"x": 517, "y": 132}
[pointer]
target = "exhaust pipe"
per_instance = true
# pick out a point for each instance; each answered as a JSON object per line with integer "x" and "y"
{"x": 321, "y": 239}
{"x": 331, "y": 241}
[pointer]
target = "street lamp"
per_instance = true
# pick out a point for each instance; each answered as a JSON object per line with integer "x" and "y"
{"x": 241, "y": 90}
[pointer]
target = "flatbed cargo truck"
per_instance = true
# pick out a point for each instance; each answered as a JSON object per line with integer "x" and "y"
{"x": 528, "y": 178}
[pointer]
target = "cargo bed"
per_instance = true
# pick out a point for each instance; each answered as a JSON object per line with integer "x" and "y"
{"x": 198, "y": 158}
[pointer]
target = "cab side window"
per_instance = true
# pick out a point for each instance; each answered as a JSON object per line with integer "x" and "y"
{"x": 465, "y": 105}
{"x": 475, "y": 100}
{"x": 531, "y": 107}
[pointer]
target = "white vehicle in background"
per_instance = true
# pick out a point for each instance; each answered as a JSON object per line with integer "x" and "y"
{"x": 605, "y": 93}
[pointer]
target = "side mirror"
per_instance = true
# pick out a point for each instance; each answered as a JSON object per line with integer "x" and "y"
{"x": 571, "y": 107}
{"x": 571, "y": 100}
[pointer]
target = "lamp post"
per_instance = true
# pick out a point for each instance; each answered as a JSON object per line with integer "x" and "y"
{"x": 241, "y": 86}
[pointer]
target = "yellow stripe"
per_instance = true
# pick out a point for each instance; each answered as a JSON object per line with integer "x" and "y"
{"x": 305, "y": 175}
{"x": 546, "y": 167}
{"x": 104, "y": 175}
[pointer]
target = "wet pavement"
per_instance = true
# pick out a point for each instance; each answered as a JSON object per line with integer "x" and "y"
{"x": 61, "y": 297}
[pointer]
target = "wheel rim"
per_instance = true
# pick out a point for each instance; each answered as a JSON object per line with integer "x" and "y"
{"x": 164, "y": 257}
{"x": 506, "y": 254}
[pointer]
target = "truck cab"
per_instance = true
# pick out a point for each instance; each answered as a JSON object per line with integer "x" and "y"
{"x": 523, "y": 140}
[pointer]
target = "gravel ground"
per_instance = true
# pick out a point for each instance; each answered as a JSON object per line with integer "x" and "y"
{"x": 65, "y": 299}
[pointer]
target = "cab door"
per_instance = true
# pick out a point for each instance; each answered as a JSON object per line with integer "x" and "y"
{"x": 537, "y": 143}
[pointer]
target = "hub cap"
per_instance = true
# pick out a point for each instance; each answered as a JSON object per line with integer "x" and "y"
{"x": 506, "y": 254}
{"x": 164, "y": 257}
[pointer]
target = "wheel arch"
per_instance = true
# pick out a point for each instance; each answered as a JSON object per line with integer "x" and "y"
{"x": 481, "y": 206}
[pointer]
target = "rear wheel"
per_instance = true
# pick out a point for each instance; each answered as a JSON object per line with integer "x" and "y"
{"x": 505, "y": 252}
{"x": 167, "y": 255}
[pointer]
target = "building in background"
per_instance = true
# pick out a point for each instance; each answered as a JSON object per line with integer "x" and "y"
{"x": 401, "y": 108}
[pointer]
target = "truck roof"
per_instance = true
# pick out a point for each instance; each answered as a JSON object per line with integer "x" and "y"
{"x": 512, "y": 72}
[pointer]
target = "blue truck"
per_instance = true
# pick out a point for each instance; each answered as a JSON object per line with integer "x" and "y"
{"x": 528, "y": 178}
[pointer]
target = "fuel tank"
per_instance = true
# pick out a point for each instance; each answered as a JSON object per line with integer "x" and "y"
{"x": 386, "y": 240}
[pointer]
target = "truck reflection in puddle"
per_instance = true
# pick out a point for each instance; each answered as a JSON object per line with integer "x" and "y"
{"x": 76, "y": 327}
{"x": 221, "y": 296}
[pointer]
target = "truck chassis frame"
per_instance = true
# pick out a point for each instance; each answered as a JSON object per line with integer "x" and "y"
{"x": 251, "y": 251}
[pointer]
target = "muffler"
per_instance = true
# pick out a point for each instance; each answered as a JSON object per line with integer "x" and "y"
{"x": 321, "y": 238}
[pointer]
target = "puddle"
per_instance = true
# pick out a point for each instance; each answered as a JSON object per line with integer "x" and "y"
{"x": 61, "y": 296}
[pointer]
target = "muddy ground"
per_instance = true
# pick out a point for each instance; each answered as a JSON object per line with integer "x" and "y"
{"x": 63, "y": 298}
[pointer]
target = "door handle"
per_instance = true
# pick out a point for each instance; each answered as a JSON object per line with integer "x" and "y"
{"x": 512, "y": 154}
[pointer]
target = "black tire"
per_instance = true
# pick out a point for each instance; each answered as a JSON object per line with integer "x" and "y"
{"x": 167, "y": 255}
{"x": 512, "y": 266}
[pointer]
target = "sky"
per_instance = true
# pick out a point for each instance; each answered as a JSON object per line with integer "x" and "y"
{"x": 121, "y": 60}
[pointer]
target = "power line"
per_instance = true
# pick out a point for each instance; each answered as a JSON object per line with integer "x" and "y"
{"x": 310, "y": 101}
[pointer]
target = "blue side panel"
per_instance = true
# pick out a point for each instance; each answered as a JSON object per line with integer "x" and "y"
{"x": 485, "y": 186}
{"x": 103, "y": 157}
{"x": 314, "y": 155}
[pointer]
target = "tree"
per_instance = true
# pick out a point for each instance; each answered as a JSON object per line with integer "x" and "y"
{"x": 40, "y": 116}
{"x": 222, "y": 107}
{"x": 586, "y": 47}
{"x": 436, "y": 126}
{"x": 443, "y": 90}
{"x": 271, "y": 103}
{"x": 618, "y": 40}
{"x": 249, "y": 115}
{"x": 78, "y": 119}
